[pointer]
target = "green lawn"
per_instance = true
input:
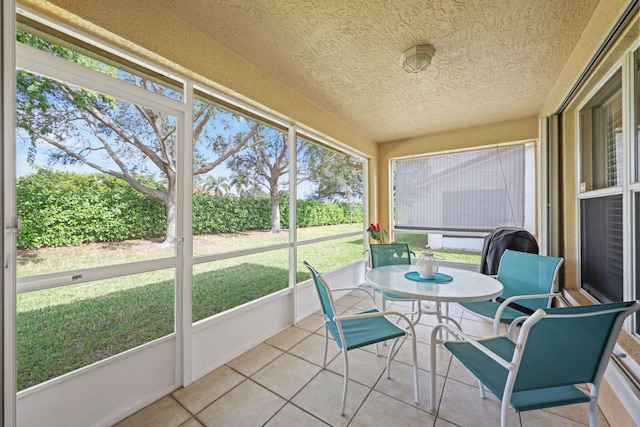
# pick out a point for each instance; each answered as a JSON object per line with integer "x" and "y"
{"x": 417, "y": 243}
{"x": 62, "y": 329}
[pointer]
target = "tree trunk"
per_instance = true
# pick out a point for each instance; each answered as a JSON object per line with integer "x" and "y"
{"x": 172, "y": 211}
{"x": 275, "y": 213}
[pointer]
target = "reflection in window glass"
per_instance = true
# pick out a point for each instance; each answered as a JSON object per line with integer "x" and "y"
{"x": 62, "y": 329}
{"x": 96, "y": 178}
{"x": 225, "y": 284}
{"x": 240, "y": 180}
{"x": 328, "y": 255}
{"x": 329, "y": 188}
{"x": 601, "y": 137}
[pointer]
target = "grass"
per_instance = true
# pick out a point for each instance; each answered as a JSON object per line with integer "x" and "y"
{"x": 62, "y": 329}
{"x": 418, "y": 242}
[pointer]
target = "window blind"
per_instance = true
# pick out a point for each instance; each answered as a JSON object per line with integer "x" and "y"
{"x": 465, "y": 191}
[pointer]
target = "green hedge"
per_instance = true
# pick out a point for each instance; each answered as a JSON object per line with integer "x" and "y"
{"x": 63, "y": 209}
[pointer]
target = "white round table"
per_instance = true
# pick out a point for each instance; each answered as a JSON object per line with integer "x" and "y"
{"x": 465, "y": 286}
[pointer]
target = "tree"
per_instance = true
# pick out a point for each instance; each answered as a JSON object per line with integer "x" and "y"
{"x": 219, "y": 186}
{"x": 124, "y": 140}
{"x": 266, "y": 164}
{"x": 339, "y": 179}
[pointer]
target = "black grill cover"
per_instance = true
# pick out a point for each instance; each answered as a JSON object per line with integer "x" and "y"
{"x": 500, "y": 239}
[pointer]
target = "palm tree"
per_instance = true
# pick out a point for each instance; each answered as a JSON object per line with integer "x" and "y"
{"x": 218, "y": 186}
{"x": 240, "y": 183}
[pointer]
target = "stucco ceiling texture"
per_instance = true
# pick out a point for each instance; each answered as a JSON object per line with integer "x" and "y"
{"x": 495, "y": 60}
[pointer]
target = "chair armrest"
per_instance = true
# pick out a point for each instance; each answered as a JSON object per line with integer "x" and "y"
{"x": 506, "y": 302}
{"x": 514, "y": 324}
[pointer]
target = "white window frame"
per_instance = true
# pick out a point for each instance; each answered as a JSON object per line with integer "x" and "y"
{"x": 627, "y": 188}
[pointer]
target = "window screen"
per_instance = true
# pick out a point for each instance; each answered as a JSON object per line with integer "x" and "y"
{"x": 601, "y": 247}
{"x": 465, "y": 191}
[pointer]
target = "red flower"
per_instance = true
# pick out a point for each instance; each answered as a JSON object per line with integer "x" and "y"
{"x": 377, "y": 232}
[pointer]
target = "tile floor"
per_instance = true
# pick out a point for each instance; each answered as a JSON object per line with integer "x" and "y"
{"x": 281, "y": 383}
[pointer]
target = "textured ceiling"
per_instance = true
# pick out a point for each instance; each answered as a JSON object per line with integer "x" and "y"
{"x": 495, "y": 60}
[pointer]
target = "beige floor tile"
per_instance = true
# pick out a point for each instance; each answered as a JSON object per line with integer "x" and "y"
{"x": 165, "y": 412}
{"x": 443, "y": 423}
{"x": 312, "y": 349}
{"x": 423, "y": 333}
{"x": 323, "y": 396}
{"x": 364, "y": 367}
{"x": 255, "y": 359}
{"x": 578, "y": 412}
{"x": 458, "y": 372}
{"x": 350, "y": 299}
{"x": 364, "y": 304}
{"x": 381, "y": 410}
{"x": 477, "y": 327}
{"x": 286, "y": 375}
{"x": 400, "y": 385}
{"x": 248, "y": 404}
{"x": 288, "y": 366}
{"x": 288, "y": 338}
{"x": 311, "y": 323}
{"x": 547, "y": 419}
{"x": 461, "y": 404}
{"x": 291, "y": 415}
{"x": 191, "y": 423}
{"x": 342, "y": 309}
{"x": 207, "y": 389}
{"x": 443, "y": 357}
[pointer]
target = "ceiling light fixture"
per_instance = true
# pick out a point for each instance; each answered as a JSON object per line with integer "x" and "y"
{"x": 417, "y": 58}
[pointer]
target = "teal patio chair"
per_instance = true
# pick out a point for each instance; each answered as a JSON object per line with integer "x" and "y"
{"x": 392, "y": 254}
{"x": 555, "y": 350}
{"x": 361, "y": 329}
{"x": 530, "y": 282}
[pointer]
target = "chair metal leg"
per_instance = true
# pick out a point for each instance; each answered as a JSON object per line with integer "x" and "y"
{"x": 416, "y": 393}
{"x": 481, "y": 387}
{"x": 432, "y": 362}
{"x": 414, "y": 351}
{"x": 593, "y": 406}
{"x": 326, "y": 345}
{"x": 346, "y": 381}
{"x": 503, "y": 413}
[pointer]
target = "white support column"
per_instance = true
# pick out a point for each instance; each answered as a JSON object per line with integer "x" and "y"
{"x": 184, "y": 273}
{"x": 9, "y": 215}
{"x": 549, "y": 179}
{"x": 293, "y": 237}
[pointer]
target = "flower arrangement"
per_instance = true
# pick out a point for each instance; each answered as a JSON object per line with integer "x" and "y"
{"x": 377, "y": 232}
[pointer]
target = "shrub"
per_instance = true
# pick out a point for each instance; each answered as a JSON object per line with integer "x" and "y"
{"x": 64, "y": 208}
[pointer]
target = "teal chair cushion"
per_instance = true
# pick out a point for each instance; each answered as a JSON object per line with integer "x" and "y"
{"x": 362, "y": 332}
